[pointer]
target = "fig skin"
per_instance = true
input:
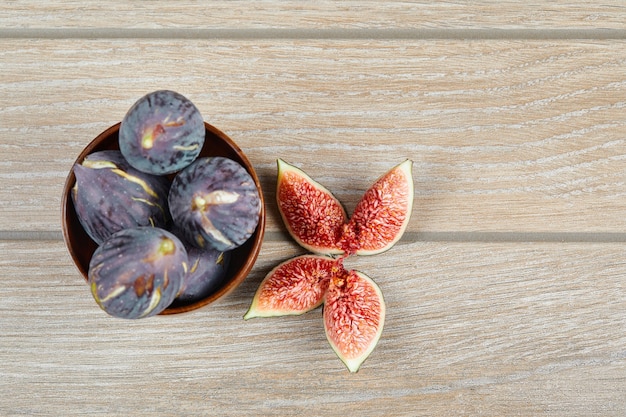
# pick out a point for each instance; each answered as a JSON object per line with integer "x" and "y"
{"x": 207, "y": 270}
{"x": 137, "y": 272}
{"x": 162, "y": 133}
{"x": 215, "y": 203}
{"x": 109, "y": 195}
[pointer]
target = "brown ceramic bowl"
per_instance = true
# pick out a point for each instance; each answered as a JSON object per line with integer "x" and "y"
{"x": 81, "y": 247}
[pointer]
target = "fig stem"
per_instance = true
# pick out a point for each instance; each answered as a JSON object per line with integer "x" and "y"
{"x": 339, "y": 271}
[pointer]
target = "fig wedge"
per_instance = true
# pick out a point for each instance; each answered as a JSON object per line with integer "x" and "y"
{"x": 294, "y": 287}
{"x": 312, "y": 215}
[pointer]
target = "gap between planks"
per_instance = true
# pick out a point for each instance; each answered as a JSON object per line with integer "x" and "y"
{"x": 408, "y": 237}
{"x": 330, "y": 34}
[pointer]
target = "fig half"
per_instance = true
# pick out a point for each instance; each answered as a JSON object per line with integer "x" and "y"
{"x": 318, "y": 221}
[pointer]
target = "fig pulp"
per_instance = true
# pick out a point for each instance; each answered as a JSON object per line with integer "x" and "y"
{"x": 312, "y": 215}
{"x": 382, "y": 215}
{"x": 109, "y": 196}
{"x": 162, "y": 133}
{"x": 215, "y": 203}
{"x": 293, "y": 287}
{"x": 317, "y": 220}
{"x": 354, "y": 315}
{"x": 137, "y": 272}
{"x": 354, "y": 309}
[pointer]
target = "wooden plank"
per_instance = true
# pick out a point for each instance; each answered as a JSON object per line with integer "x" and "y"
{"x": 483, "y": 329}
{"x": 313, "y": 15}
{"x": 506, "y": 136}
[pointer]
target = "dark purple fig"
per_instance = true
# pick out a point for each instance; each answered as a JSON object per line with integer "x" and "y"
{"x": 162, "y": 133}
{"x": 207, "y": 270}
{"x": 110, "y": 195}
{"x": 137, "y": 272}
{"x": 214, "y": 202}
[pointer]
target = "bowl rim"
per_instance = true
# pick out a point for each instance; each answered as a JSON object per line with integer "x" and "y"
{"x": 253, "y": 244}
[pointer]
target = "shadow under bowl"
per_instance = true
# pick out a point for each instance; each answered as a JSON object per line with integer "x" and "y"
{"x": 81, "y": 247}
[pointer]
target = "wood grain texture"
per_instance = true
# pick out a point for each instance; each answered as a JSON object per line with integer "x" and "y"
{"x": 486, "y": 329}
{"x": 507, "y": 295}
{"x": 324, "y": 14}
{"x": 505, "y": 136}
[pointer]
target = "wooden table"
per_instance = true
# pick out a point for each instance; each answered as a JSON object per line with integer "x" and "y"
{"x": 507, "y": 294}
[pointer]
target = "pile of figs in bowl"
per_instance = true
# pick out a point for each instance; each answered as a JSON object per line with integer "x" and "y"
{"x": 162, "y": 213}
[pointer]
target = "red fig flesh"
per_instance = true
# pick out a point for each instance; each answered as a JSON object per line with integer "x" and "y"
{"x": 312, "y": 215}
{"x": 354, "y": 315}
{"x": 318, "y": 221}
{"x": 293, "y": 287}
{"x": 354, "y": 309}
{"x": 382, "y": 215}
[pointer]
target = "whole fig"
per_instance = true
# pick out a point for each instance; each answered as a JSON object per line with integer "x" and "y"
{"x": 162, "y": 133}
{"x": 137, "y": 272}
{"x": 215, "y": 203}
{"x": 207, "y": 270}
{"x": 110, "y": 195}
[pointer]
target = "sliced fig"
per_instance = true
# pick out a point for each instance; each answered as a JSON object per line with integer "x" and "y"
{"x": 293, "y": 287}
{"x": 110, "y": 195}
{"x": 354, "y": 308}
{"x": 354, "y": 315}
{"x": 312, "y": 215}
{"x": 137, "y": 272}
{"x": 382, "y": 215}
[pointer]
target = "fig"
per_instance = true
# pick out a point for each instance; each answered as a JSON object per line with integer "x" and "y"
{"x": 312, "y": 215}
{"x": 318, "y": 222}
{"x": 354, "y": 315}
{"x": 354, "y": 308}
{"x": 294, "y": 287}
{"x": 137, "y": 272}
{"x": 215, "y": 203}
{"x": 382, "y": 215}
{"x": 207, "y": 270}
{"x": 109, "y": 195}
{"x": 162, "y": 133}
